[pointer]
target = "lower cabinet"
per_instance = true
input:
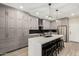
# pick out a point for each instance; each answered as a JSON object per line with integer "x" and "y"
{"x": 52, "y": 48}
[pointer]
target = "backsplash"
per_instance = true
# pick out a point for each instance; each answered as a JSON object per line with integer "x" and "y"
{"x": 42, "y": 31}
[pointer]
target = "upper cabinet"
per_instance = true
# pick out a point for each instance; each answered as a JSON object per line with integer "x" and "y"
{"x": 26, "y": 20}
{"x": 33, "y": 23}
{"x": 46, "y": 24}
{"x": 53, "y": 25}
{"x": 20, "y": 14}
{"x": 11, "y": 12}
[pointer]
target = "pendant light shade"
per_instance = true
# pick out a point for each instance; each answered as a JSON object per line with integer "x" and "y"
{"x": 50, "y": 16}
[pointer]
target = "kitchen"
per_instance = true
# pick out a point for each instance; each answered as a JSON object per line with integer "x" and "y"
{"x": 43, "y": 29}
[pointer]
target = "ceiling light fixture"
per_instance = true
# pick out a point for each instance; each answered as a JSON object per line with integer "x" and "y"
{"x": 21, "y": 7}
{"x": 72, "y": 14}
{"x": 50, "y": 17}
{"x": 37, "y": 13}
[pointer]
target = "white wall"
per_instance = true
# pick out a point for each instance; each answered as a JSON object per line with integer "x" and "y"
{"x": 74, "y": 29}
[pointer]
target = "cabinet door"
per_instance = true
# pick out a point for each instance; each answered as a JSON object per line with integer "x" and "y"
{"x": 10, "y": 43}
{"x": 11, "y": 12}
{"x": 2, "y": 29}
{"x": 25, "y": 29}
{"x": 11, "y": 34}
{"x": 53, "y": 25}
{"x": 33, "y": 23}
{"x": 2, "y": 22}
{"x": 11, "y": 28}
{"x": 26, "y": 21}
{"x": 24, "y": 41}
{"x": 19, "y": 23}
{"x": 20, "y": 15}
{"x": 46, "y": 24}
{"x": 2, "y": 11}
{"x": 11, "y": 22}
{"x": 2, "y": 34}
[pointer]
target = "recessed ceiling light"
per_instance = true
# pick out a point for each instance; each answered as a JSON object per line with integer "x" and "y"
{"x": 49, "y": 18}
{"x": 72, "y": 14}
{"x": 37, "y": 13}
{"x": 46, "y": 16}
{"x": 21, "y": 7}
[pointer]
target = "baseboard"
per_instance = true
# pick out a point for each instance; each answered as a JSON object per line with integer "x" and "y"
{"x": 74, "y": 41}
{"x": 13, "y": 50}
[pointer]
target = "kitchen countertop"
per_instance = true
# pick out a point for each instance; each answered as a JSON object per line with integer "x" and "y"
{"x": 35, "y": 44}
{"x": 42, "y": 39}
{"x": 34, "y": 35}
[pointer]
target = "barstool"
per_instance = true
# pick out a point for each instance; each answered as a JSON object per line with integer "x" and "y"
{"x": 54, "y": 52}
{"x": 61, "y": 45}
{"x": 58, "y": 43}
{"x": 47, "y": 49}
{"x": 49, "y": 52}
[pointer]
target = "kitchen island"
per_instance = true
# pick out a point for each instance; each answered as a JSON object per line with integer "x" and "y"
{"x": 35, "y": 44}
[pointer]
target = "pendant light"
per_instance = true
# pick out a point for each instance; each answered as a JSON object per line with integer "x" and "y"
{"x": 49, "y": 17}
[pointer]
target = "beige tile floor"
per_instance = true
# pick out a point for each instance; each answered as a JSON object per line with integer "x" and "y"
{"x": 71, "y": 49}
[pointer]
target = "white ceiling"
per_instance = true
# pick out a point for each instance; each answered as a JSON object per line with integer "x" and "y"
{"x": 65, "y": 9}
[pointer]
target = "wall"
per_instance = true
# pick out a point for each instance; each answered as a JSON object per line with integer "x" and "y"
{"x": 74, "y": 29}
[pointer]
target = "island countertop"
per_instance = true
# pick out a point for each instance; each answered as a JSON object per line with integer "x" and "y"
{"x": 42, "y": 39}
{"x": 35, "y": 44}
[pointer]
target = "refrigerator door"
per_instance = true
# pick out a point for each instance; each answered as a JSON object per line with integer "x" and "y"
{"x": 62, "y": 30}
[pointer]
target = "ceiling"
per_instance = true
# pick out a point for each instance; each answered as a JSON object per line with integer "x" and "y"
{"x": 42, "y": 9}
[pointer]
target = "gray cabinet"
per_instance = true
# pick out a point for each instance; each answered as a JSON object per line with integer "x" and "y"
{"x": 11, "y": 23}
{"x": 33, "y": 23}
{"x": 2, "y": 11}
{"x": 2, "y": 22}
{"x": 46, "y": 24}
{"x": 26, "y": 23}
{"x": 26, "y": 20}
{"x": 2, "y": 34}
{"x": 2, "y": 28}
{"x": 14, "y": 28}
{"x": 24, "y": 40}
{"x": 19, "y": 14}
{"x": 11, "y": 12}
{"x": 53, "y": 25}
